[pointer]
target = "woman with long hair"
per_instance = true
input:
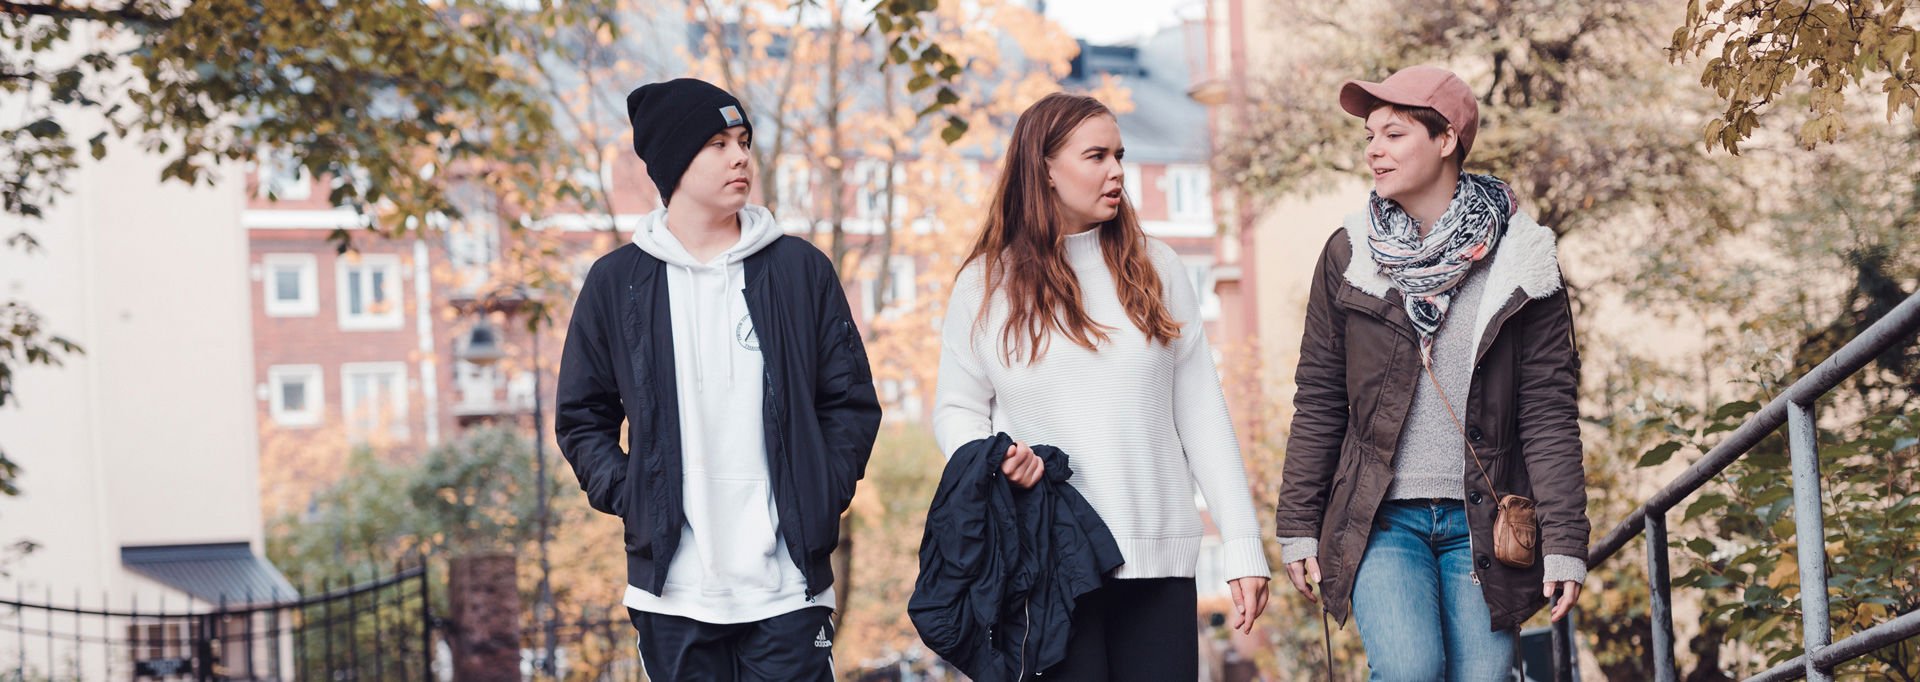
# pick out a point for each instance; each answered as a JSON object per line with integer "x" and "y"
{"x": 1433, "y": 485}
{"x": 1069, "y": 327}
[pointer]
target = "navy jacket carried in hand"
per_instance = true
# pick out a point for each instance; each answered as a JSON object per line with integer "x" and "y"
{"x": 1000, "y": 567}
{"x": 819, "y": 414}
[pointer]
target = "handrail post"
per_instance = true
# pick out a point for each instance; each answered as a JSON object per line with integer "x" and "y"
{"x": 1810, "y": 535}
{"x": 1660, "y": 589}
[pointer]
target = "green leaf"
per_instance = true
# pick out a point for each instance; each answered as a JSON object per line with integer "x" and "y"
{"x": 1783, "y": 528}
{"x": 1739, "y": 408}
{"x": 1700, "y": 546}
{"x": 1706, "y": 503}
{"x": 44, "y": 128}
{"x": 1659, "y": 454}
{"x": 956, "y": 127}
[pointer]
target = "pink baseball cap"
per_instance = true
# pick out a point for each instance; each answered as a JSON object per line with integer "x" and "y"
{"x": 1419, "y": 86}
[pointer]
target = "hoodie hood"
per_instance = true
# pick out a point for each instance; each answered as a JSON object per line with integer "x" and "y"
{"x": 707, "y": 300}
{"x": 757, "y": 230}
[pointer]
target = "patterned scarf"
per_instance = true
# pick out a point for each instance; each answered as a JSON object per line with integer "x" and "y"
{"x": 1427, "y": 269}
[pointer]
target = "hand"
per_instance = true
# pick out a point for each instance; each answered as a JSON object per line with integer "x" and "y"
{"x": 1300, "y": 571}
{"x": 1569, "y": 593}
{"x": 1249, "y": 599}
{"x": 1021, "y": 466}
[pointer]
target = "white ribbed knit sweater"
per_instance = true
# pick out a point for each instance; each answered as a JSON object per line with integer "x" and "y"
{"x": 1140, "y": 422}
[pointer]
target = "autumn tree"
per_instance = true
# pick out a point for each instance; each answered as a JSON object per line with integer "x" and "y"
{"x": 1764, "y": 49}
{"x": 380, "y": 99}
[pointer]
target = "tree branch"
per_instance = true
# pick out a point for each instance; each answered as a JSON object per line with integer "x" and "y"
{"x": 57, "y": 10}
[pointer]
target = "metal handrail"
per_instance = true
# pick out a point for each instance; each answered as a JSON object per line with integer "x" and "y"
{"x": 1794, "y": 408}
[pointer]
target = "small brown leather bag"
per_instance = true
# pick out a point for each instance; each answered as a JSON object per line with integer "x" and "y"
{"x": 1515, "y": 533}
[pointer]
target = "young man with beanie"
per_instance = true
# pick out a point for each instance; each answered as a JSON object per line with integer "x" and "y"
{"x": 730, "y": 353}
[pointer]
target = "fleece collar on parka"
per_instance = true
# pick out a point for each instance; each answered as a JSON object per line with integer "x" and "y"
{"x": 1525, "y": 260}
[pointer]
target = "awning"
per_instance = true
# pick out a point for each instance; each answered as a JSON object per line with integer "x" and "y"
{"x": 213, "y": 572}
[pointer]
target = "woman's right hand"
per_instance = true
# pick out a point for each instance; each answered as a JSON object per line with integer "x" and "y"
{"x": 1300, "y": 571}
{"x": 1021, "y": 466}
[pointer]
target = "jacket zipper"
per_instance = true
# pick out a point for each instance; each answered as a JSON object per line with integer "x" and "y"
{"x": 771, "y": 417}
{"x": 1026, "y": 620}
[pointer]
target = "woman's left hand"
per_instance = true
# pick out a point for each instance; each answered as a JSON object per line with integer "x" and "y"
{"x": 1249, "y": 599}
{"x": 1569, "y": 593}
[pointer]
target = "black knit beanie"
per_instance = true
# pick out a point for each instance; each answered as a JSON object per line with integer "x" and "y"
{"x": 673, "y": 120}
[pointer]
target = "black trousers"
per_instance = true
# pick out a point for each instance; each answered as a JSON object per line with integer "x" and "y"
{"x": 792, "y": 646}
{"x": 1145, "y": 629}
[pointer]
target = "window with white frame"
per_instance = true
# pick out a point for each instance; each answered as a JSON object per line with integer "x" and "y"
{"x": 1131, "y": 178}
{"x": 1200, "y": 273}
{"x": 478, "y": 384}
{"x": 473, "y": 242}
{"x": 520, "y": 392}
{"x": 288, "y": 284}
{"x": 1188, "y": 194}
{"x": 373, "y": 399}
{"x": 295, "y": 395}
{"x": 281, "y": 177}
{"x": 904, "y": 394}
{"x": 368, "y": 290}
{"x": 902, "y": 291}
{"x": 472, "y": 248}
{"x": 870, "y": 193}
{"x": 794, "y": 181}
{"x": 1210, "y": 570}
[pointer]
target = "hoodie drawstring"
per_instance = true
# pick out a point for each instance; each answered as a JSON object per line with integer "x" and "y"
{"x": 758, "y": 230}
{"x": 699, "y": 364}
{"x": 726, "y": 292}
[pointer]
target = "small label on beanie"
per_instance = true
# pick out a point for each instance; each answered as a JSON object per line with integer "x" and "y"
{"x": 732, "y": 115}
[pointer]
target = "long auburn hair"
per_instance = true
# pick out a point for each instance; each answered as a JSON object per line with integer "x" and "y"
{"x": 1022, "y": 246}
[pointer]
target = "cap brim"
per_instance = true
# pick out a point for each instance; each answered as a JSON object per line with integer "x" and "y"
{"x": 1360, "y": 98}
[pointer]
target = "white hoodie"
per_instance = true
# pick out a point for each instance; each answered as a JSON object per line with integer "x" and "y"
{"x": 731, "y": 566}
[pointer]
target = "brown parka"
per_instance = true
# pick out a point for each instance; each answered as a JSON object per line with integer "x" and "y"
{"x": 1359, "y": 364}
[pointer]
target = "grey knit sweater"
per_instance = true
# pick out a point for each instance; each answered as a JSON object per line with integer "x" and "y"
{"x": 1431, "y": 461}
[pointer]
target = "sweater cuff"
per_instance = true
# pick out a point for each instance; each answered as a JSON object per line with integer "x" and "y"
{"x": 1562, "y": 568}
{"x": 1298, "y": 549}
{"x": 1243, "y": 557}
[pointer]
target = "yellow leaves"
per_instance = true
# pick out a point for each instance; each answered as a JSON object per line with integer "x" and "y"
{"x": 1784, "y": 573}
{"x": 1767, "y": 46}
{"x": 1901, "y": 96}
{"x": 1114, "y": 93}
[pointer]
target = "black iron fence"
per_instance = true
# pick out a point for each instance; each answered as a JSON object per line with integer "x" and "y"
{"x": 378, "y": 629}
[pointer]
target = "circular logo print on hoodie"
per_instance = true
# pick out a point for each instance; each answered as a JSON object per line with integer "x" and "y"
{"x": 744, "y": 333}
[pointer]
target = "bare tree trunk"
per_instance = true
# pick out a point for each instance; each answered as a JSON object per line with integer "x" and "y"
{"x": 836, "y": 185}
{"x": 883, "y": 282}
{"x": 770, "y": 157}
{"x": 837, "y": 165}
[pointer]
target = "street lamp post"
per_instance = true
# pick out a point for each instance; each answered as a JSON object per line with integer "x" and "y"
{"x": 483, "y": 348}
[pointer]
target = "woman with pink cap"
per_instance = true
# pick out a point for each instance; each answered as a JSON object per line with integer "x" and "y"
{"x": 1433, "y": 485}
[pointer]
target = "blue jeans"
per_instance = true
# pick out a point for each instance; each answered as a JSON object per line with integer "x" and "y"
{"x": 1420, "y": 613}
